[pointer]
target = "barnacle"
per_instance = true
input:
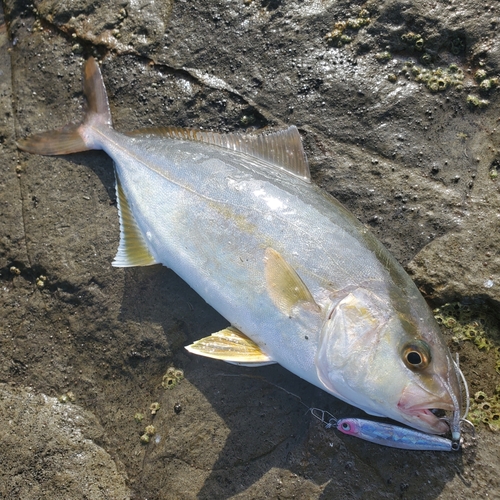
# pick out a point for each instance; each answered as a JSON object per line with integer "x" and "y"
{"x": 457, "y": 46}
{"x": 168, "y": 382}
{"x": 172, "y": 377}
{"x": 486, "y": 410}
{"x": 410, "y": 37}
{"x": 488, "y": 83}
{"x": 338, "y": 36}
{"x": 426, "y": 59}
{"x": 68, "y": 397}
{"x": 383, "y": 56}
{"x": 475, "y": 102}
{"x": 40, "y": 281}
{"x": 154, "y": 407}
{"x": 477, "y": 324}
{"x": 480, "y": 75}
{"x": 480, "y": 396}
{"x": 150, "y": 430}
{"x": 485, "y": 85}
{"x": 438, "y": 79}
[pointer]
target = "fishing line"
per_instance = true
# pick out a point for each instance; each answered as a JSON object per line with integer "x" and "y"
{"x": 377, "y": 432}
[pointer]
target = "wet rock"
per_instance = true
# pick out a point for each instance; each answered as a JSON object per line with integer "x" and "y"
{"x": 465, "y": 262}
{"x": 49, "y": 450}
{"x": 120, "y": 25}
{"x": 12, "y": 247}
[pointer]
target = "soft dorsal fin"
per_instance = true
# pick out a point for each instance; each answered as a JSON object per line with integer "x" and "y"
{"x": 284, "y": 285}
{"x": 283, "y": 148}
{"x": 132, "y": 250}
{"x": 232, "y": 346}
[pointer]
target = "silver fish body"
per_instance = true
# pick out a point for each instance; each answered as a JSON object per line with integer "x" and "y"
{"x": 301, "y": 280}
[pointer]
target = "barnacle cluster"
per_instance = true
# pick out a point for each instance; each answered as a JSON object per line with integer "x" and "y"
{"x": 172, "y": 377}
{"x": 414, "y": 39}
{"x": 436, "y": 80}
{"x": 473, "y": 322}
{"x": 475, "y": 102}
{"x": 68, "y": 397}
{"x": 383, "y": 56}
{"x": 486, "y": 84}
{"x": 486, "y": 410}
{"x": 478, "y": 324}
{"x": 344, "y": 31}
{"x": 15, "y": 271}
{"x": 40, "y": 281}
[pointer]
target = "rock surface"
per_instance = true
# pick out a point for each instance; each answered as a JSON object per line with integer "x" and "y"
{"x": 49, "y": 450}
{"x": 390, "y": 100}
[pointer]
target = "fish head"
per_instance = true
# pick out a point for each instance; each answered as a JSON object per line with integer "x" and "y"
{"x": 388, "y": 363}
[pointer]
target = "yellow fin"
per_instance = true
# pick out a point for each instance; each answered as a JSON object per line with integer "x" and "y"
{"x": 283, "y": 148}
{"x": 284, "y": 285}
{"x": 132, "y": 250}
{"x": 232, "y": 346}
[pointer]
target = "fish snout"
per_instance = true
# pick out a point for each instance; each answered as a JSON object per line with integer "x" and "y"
{"x": 424, "y": 410}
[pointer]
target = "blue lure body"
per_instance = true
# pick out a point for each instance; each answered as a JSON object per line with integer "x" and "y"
{"x": 394, "y": 436}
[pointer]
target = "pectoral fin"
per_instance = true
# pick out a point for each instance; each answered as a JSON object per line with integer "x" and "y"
{"x": 132, "y": 250}
{"x": 284, "y": 285}
{"x": 232, "y": 346}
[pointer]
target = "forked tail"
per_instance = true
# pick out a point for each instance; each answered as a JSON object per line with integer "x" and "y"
{"x": 75, "y": 138}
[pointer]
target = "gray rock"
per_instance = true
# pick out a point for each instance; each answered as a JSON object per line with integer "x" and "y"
{"x": 49, "y": 450}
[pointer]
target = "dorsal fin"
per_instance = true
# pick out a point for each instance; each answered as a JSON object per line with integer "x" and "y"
{"x": 283, "y": 148}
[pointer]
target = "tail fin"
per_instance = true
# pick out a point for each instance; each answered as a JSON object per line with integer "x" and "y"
{"x": 74, "y": 138}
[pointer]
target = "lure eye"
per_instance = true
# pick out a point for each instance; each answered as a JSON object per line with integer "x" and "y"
{"x": 416, "y": 354}
{"x": 346, "y": 426}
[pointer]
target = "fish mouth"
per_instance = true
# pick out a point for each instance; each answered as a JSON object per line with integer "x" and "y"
{"x": 428, "y": 417}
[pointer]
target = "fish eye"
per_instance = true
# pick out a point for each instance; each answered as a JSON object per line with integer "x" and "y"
{"x": 416, "y": 354}
{"x": 346, "y": 426}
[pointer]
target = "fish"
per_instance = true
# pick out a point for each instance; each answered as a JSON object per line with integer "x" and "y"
{"x": 299, "y": 279}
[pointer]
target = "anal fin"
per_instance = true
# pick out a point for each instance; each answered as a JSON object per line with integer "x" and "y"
{"x": 132, "y": 250}
{"x": 232, "y": 346}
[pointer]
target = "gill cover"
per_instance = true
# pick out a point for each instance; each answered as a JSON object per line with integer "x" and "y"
{"x": 350, "y": 337}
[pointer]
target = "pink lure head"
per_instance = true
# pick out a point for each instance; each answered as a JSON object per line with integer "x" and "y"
{"x": 348, "y": 426}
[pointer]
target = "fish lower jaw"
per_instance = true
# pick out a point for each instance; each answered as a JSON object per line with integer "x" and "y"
{"x": 425, "y": 420}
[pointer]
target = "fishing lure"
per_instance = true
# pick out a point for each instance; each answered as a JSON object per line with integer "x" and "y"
{"x": 400, "y": 437}
{"x": 394, "y": 436}
{"x": 386, "y": 434}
